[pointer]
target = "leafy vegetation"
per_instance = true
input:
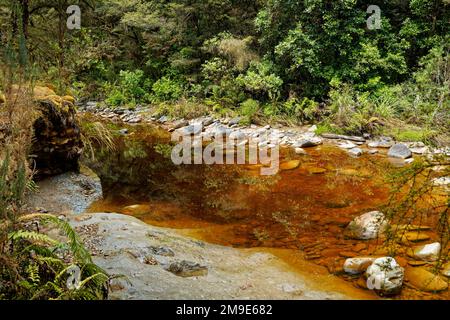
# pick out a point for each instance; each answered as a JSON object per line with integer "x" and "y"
{"x": 310, "y": 61}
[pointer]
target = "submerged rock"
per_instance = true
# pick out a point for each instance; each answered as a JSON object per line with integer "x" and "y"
{"x": 367, "y": 226}
{"x": 290, "y": 165}
{"x": 446, "y": 269}
{"x": 399, "y": 150}
{"x": 425, "y": 280}
{"x": 385, "y": 276}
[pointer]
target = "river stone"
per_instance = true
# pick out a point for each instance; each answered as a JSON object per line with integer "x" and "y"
{"x": 187, "y": 269}
{"x": 358, "y": 265}
{"x": 367, "y": 226}
{"x": 385, "y": 276}
{"x": 428, "y": 252}
{"x": 347, "y": 145}
{"x": 308, "y": 143}
{"x": 290, "y": 165}
{"x": 355, "y": 151}
{"x": 179, "y": 124}
{"x": 234, "y": 121}
{"x": 300, "y": 151}
{"x": 163, "y": 119}
{"x": 446, "y": 269}
{"x": 425, "y": 280}
{"x": 380, "y": 144}
{"x": 399, "y": 150}
{"x": 442, "y": 181}
{"x": 190, "y": 130}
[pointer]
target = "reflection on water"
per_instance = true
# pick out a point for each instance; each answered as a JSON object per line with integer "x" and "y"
{"x": 304, "y": 208}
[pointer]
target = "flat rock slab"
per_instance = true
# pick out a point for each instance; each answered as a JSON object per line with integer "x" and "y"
{"x": 193, "y": 269}
{"x": 66, "y": 193}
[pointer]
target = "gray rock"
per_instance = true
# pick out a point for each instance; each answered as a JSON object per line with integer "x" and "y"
{"x": 179, "y": 124}
{"x": 343, "y": 137}
{"x": 187, "y": 269}
{"x": 347, "y": 145}
{"x": 355, "y": 151}
{"x": 308, "y": 143}
{"x": 400, "y": 151}
{"x": 163, "y": 119}
{"x": 190, "y": 130}
{"x": 123, "y": 131}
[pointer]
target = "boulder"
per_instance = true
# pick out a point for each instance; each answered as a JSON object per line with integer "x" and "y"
{"x": 367, "y": 226}
{"x": 400, "y": 151}
{"x": 290, "y": 165}
{"x": 57, "y": 145}
{"x": 428, "y": 252}
{"x": 424, "y": 280}
{"x": 385, "y": 276}
{"x": 358, "y": 265}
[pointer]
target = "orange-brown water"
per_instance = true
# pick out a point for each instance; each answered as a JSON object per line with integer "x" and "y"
{"x": 303, "y": 210}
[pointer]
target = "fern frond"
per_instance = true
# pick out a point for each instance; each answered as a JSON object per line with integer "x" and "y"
{"x": 32, "y": 236}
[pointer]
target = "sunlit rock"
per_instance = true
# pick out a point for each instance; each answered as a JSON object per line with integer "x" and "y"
{"x": 399, "y": 150}
{"x": 367, "y": 226}
{"x": 428, "y": 252}
{"x": 385, "y": 276}
{"x": 358, "y": 265}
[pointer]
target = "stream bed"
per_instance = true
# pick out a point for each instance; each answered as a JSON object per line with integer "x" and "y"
{"x": 302, "y": 209}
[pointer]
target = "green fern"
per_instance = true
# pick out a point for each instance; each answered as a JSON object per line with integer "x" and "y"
{"x": 32, "y": 236}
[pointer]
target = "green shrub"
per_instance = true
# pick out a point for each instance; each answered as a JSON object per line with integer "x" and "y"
{"x": 261, "y": 81}
{"x": 166, "y": 89}
{"x": 132, "y": 88}
{"x": 249, "y": 108}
